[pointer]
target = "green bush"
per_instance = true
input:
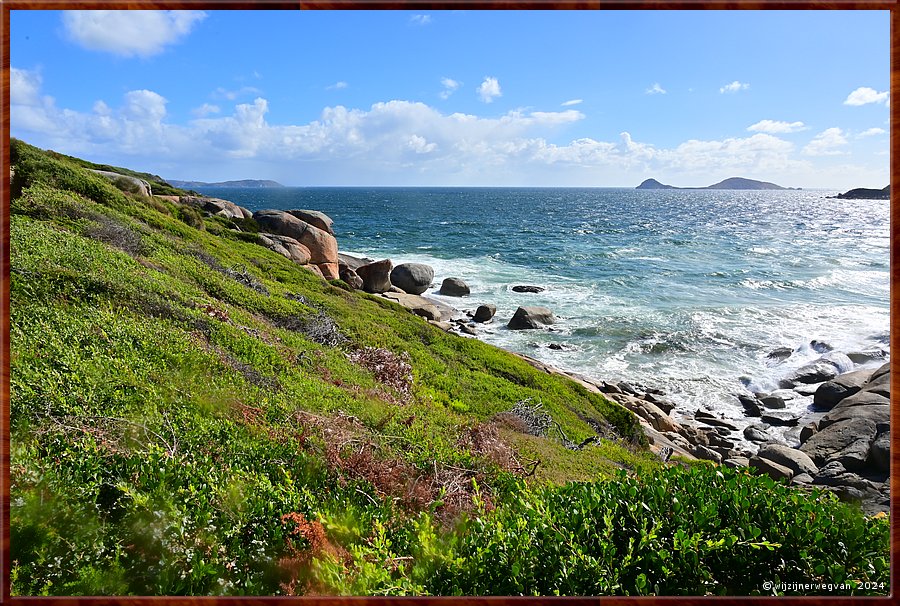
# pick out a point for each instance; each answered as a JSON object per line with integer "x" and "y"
{"x": 674, "y": 532}
{"x": 192, "y": 217}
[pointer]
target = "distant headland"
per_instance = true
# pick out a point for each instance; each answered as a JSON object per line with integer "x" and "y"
{"x": 732, "y": 183}
{"x": 861, "y": 193}
{"x": 241, "y": 183}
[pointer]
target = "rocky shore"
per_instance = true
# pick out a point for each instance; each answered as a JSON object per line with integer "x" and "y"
{"x": 839, "y": 441}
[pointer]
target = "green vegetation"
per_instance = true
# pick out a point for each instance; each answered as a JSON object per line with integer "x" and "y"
{"x": 194, "y": 414}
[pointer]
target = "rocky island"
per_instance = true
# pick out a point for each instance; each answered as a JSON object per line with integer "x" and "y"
{"x": 862, "y": 193}
{"x": 730, "y": 183}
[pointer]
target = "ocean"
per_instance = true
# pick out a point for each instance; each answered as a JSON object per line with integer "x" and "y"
{"x": 681, "y": 290}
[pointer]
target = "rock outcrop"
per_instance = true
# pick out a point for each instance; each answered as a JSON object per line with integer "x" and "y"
{"x": 322, "y": 246}
{"x": 286, "y": 246}
{"x": 216, "y": 207}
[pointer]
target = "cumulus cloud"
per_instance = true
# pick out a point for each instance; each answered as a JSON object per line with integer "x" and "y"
{"x": 776, "y": 127}
{"x": 140, "y": 33}
{"x": 489, "y": 89}
{"x": 205, "y": 110}
{"x": 871, "y": 132}
{"x": 734, "y": 87}
{"x": 23, "y": 86}
{"x": 450, "y": 85}
{"x": 420, "y": 19}
{"x": 656, "y": 89}
{"x": 571, "y": 102}
{"x": 386, "y": 142}
{"x": 337, "y": 86}
{"x": 865, "y": 95}
{"x": 232, "y": 94}
{"x": 826, "y": 143}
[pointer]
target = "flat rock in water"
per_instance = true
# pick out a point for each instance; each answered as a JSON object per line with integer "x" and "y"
{"x": 780, "y": 419}
{"x": 779, "y": 354}
{"x": 527, "y": 288}
{"x": 751, "y": 405}
{"x": 772, "y": 401}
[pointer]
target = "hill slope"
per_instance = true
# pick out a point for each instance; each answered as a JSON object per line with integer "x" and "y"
{"x": 194, "y": 414}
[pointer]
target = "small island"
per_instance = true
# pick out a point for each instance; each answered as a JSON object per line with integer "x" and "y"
{"x": 861, "y": 193}
{"x": 257, "y": 183}
{"x": 730, "y": 183}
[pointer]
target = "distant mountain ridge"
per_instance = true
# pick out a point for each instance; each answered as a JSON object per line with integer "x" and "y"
{"x": 241, "y": 183}
{"x": 730, "y": 183}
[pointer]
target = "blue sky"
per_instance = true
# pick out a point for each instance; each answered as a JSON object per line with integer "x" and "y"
{"x": 548, "y": 98}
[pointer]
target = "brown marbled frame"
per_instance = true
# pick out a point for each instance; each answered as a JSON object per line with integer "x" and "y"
{"x": 6, "y": 5}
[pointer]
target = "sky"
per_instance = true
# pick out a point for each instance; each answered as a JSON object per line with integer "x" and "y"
{"x": 461, "y": 98}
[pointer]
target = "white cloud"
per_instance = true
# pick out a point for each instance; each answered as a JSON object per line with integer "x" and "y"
{"x": 205, "y": 110}
{"x": 396, "y": 142}
{"x": 871, "y": 132}
{"x": 826, "y": 143}
{"x": 420, "y": 19}
{"x": 776, "y": 127}
{"x": 656, "y": 89}
{"x": 337, "y": 86}
{"x": 572, "y": 102}
{"x": 734, "y": 87}
{"x": 489, "y": 89}
{"x": 450, "y": 85}
{"x": 865, "y": 95}
{"x": 128, "y": 33}
{"x": 231, "y": 95}
{"x": 23, "y": 86}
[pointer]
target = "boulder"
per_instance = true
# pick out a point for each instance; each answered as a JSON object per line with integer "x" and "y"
{"x": 322, "y": 246}
{"x": 772, "y": 401}
{"x": 314, "y": 269}
{"x": 531, "y": 317}
{"x": 751, "y": 405}
{"x": 248, "y": 214}
{"x": 820, "y": 346}
{"x": 863, "y": 357}
{"x": 736, "y": 462}
{"x": 413, "y": 278}
{"x": 709, "y": 419}
{"x": 214, "y": 206}
{"x": 779, "y": 354}
{"x": 702, "y": 452}
{"x": 842, "y": 386}
{"x": 863, "y": 405}
{"x": 880, "y": 385}
{"x": 780, "y": 418}
{"x": 352, "y": 261}
{"x": 795, "y": 460}
{"x": 350, "y": 277}
{"x": 315, "y": 218}
{"x": 454, "y": 287}
{"x": 527, "y": 288}
{"x": 376, "y": 276}
{"x": 485, "y": 312}
{"x": 427, "y": 308}
{"x": 286, "y": 246}
{"x": 836, "y": 474}
{"x": 880, "y": 452}
{"x": 807, "y": 431}
{"x": 330, "y": 271}
{"x": 139, "y": 186}
{"x": 771, "y": 468}
{"x": 824, "y": 369}
{"x": 802, "y": 478}
{"x": 756, "y": 433}
{"x": 847, "y": 441}
{"x": 882, "y": 370}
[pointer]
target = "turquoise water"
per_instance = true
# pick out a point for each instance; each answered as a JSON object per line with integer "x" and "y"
{"x": 686, "y": 291}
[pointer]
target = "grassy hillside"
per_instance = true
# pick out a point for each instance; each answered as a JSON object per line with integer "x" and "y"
{"x": 194, "y": 414}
